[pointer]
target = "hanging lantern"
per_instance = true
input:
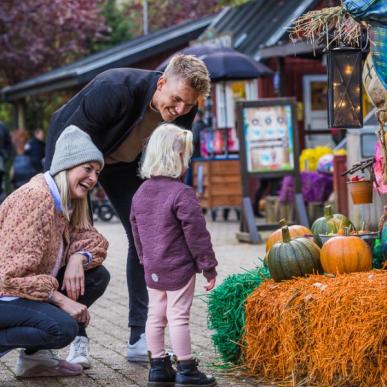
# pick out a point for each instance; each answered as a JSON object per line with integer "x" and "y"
{"x": 345, "y": 88}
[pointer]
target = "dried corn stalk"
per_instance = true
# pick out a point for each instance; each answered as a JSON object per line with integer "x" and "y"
{"x": 329, "y": 27}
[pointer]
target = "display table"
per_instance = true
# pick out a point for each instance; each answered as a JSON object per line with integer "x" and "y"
{"x": 217, "y": 182}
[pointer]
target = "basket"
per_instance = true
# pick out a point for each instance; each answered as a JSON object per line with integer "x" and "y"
{"x": 361, "y": 191}
{"x": 369, "y": 238}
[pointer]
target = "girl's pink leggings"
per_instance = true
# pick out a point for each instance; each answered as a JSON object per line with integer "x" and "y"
{"x": 172, "y": 307}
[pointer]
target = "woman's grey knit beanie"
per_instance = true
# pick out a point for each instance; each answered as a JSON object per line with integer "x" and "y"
{"x": 74, "y": 147}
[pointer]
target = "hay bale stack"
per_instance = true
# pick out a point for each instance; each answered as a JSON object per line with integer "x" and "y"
{"x": 319, "y": 330}
{"x": 226, "y": 311}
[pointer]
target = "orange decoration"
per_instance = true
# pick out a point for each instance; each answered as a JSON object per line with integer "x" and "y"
{"x": 295, "y": 232}
{"x": 345, "y": 254}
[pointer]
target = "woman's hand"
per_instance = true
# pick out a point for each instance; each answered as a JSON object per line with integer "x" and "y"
{"x": 76, "y": 310}
{"x": 74, "y": 277}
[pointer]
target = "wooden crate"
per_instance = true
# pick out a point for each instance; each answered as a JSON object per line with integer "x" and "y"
{"x": 218, "y": 183}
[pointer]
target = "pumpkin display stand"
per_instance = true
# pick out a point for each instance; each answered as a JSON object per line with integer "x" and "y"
{"x": 319, "y": 330}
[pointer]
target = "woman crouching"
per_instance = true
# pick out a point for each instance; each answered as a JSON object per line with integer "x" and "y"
{"x": 50, "y": 262}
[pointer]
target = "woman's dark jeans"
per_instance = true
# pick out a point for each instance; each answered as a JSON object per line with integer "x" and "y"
{"x": 38, "y": 325}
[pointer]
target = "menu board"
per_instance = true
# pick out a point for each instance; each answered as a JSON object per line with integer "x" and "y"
{"x": 268, "y": 134}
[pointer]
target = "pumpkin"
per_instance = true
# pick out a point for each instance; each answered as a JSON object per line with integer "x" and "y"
{"x": 329, "y": 224}
{"x": 346, "y": 254}
{"x": 293, "y": 257}
{"x": 295, "y": 231}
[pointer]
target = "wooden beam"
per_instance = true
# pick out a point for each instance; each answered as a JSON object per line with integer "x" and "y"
{"x": 287, "y": 49}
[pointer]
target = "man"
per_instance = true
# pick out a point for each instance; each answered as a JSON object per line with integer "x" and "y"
{"x": 197, "y": 127}
{"x": 35, "y": 149}
{"x": 119, "y": 109}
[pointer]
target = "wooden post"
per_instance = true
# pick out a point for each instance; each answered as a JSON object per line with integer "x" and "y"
{"x": 21, "y": 114}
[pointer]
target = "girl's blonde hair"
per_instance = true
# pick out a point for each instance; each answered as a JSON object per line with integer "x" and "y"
{"x": 76, "y": 211}
{"x": 167, "y": 153}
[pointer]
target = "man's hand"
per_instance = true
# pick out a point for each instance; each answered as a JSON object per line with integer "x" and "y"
{"x": 210, "y": 285}
{"x": 74, "y": 277}
{"x": 76, "y": 310}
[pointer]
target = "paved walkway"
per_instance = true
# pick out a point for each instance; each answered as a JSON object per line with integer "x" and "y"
{"x": 108, "y": 329}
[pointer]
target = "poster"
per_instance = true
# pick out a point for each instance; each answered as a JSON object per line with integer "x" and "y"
{"x": 268, "y": 135}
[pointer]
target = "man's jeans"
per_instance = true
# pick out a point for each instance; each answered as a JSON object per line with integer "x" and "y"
{"x": 120, "y": 182}
{"x": 36, "y": 325}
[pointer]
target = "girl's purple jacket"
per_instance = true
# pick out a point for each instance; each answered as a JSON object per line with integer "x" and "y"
{"x": 170, "y": 234}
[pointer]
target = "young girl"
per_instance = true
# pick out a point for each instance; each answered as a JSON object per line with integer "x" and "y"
{"x": 173, "y": 244}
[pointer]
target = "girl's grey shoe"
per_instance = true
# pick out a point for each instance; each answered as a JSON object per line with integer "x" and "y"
{"x": 188, "y": 375}
{"x": 161, "y": 373}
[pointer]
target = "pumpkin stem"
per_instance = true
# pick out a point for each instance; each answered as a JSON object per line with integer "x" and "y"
{"x": 283, "y": 222}
{"x": 346, "y": 231}
{"x": 328, "y": 211}
{"x": 285, "y": 234}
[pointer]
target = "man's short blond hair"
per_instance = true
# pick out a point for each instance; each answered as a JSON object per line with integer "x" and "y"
{"x": 192, "y": 70}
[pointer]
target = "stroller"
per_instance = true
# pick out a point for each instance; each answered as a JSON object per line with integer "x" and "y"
{"x": 101, "y": 207}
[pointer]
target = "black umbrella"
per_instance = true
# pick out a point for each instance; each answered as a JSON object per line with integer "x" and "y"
{"x": 225, "y": 63}
{"x": 224, "y": 66}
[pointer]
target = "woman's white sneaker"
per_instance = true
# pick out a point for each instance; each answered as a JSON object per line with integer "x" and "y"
{"x": 44, "y": 363}
{"x": 79, "y": 352}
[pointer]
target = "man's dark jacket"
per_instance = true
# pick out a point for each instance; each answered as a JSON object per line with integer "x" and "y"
{"x": 108, "y": 108}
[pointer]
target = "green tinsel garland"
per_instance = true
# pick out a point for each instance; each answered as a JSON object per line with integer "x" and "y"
{"x": 226, "y": 311}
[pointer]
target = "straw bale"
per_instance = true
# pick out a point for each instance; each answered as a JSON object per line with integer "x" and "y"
{"x": 320, "y": 330}
{"x": 226, "y": 311}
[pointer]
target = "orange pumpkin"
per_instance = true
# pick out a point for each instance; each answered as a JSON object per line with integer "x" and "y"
{"x": 345, "y": 254}
{"x": 295, "y": 232}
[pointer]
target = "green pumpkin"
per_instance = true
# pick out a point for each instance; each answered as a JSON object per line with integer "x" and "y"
{"x": 293, "y": 257}
{"x": 329, "y": 224}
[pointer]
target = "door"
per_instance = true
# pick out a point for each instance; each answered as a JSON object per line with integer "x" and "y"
{"x": 315, "y": 89}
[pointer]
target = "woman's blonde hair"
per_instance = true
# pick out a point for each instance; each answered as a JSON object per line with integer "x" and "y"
{"x": 76, "y": 211}
{"x": 167, "y": 153}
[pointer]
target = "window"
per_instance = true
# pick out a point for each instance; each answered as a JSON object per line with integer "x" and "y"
{"x": 226, "y": 95}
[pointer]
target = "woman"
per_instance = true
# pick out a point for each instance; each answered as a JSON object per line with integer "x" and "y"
{"x": 50, "y": 261}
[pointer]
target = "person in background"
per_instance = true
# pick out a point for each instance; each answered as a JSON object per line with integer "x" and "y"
{"x": 5, "y": 154}
{"x": 19, "y": 138}
{"x": 51, "y": 262}
{"x": 22, "y": 170}
{"x": 35, "y": 148}
{"x": 173, "y": 244}
{"x": 119, "y": 109}
{"x": 197, "y": 126}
